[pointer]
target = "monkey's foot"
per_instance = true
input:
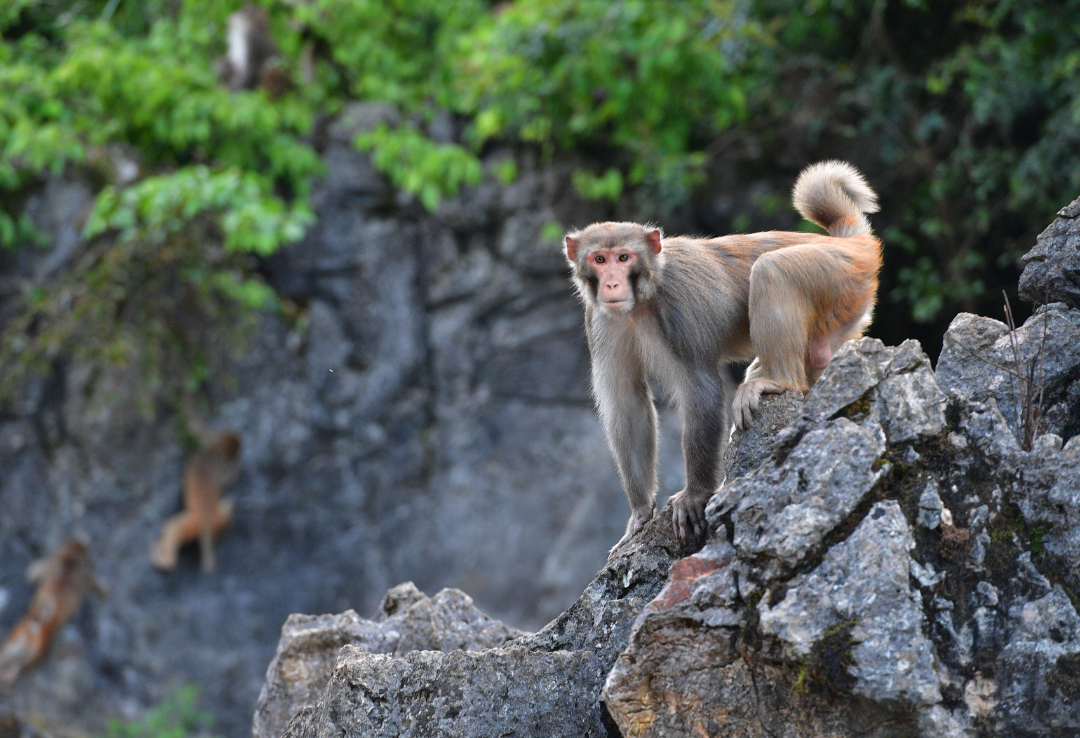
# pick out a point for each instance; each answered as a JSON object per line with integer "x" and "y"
{"x": 688, "y": 515}
{"x": 638, "y": 519}
{"x": 748, "y": 399}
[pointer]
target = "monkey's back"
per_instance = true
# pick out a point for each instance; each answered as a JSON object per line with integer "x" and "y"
{"x": 709, "y": 278}
{"x": 201, "y": 490}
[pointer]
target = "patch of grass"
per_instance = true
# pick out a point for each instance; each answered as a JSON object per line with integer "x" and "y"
{"x": 176, "y": 717}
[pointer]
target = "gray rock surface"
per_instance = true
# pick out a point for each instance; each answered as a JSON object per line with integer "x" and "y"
{"x": 407, "y": 621}
{"x": 785, "y": 510}
{"x": 899, "y": 567}
{"x": 746, "y": 450}
{"x": 544, "y": 685}
{"x": 862, "y": 584}
{"x": 1049, "y": 498}
{"x": 1052, "y": 268}
{"x": 508, "y": 692}
{"x": 978, "y": 363}
{"x": 427, "y": 417}
{"x": 1044, "y": 642}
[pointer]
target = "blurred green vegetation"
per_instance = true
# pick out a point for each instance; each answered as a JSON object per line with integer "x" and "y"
{"x": 962, "y": 113}
{"x": 176, "y": 717}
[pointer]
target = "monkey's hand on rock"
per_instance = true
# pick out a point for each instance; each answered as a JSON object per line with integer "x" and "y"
{"x": 638, "y": 519}
{"x": 688, "y": 515}
{"x": 748, "y": 398}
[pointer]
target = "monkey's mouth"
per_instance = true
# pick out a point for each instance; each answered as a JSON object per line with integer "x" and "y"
{"x": 615, "y": 304}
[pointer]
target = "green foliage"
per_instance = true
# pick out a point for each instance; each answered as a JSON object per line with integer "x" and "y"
{"x": 608, "y": 186}
{"x": 176, "y": 717}
{"x": 163, "y": 282}
{"x": 158, "y": 208}
{"x": 419, "y": 165}
{"x": 650, "y": 81}
{"x": 653, "y": 80}
{"x": 397, "y": 51}
{"x": 970, "y": 108}
{"x": 552, "y": 231}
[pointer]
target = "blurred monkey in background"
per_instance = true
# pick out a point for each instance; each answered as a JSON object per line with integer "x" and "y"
{"x": 677, "y": 309}
{"x": 63, "y": 580}
{"x": 252, "y": 59}
{"x": 208, "y": 472}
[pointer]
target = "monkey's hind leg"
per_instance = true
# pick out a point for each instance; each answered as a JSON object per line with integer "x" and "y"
{"x": 178, "y": 530}
{"x": 794, "y": 293}
{"x": 23, "y": 646}
{"x": 210, "y": 532}
{"x": 748, "y": 395}
{"x": 206, "y": 550}
{"x": 779, "y": 318}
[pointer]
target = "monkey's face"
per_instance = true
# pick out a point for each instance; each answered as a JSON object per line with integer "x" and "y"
{"x": 613, "y": 264}
{"x": 612, "y": 274}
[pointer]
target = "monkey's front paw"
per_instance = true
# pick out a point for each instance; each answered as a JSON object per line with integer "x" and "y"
{"x": 748, "y": 399}
{"x": 638, "y": 519}
{"x": 688, "y": 515}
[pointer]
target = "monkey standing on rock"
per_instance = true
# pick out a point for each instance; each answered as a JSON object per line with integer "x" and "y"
{"x": 679, "y": 308}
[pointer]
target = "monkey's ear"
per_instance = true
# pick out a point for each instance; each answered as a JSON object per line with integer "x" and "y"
{"x": 653, "y": 237}
{"x": 571, "y": 248}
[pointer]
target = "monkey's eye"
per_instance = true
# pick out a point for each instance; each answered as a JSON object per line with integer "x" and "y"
{"x": 624, "y": 257}
{"x": 600, "y": 260}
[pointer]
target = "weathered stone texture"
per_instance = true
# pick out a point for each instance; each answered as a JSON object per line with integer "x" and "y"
{"x": 1052, "y": 271}
{"x": 407, "y": 621}
{"x": 899, "y": 567}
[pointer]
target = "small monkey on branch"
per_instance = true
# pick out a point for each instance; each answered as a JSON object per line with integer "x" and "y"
{"x": 205, "y": 515}
{"x": 678, "y": 308}
{"x": 63, "y": 579}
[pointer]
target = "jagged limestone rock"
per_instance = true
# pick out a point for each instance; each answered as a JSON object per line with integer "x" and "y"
{"x": 1037, "y": 687}
{"x": 786, "y": 508}
{"x": 543, "y": 685}
{"x": 430, "y": 694}
{"x": 978, "y": 363}
{"x": 1052, "y": 271}
{"x": 922, "y": 604}
{"x": 408, "y": 620}
{"x": 746, "y": 450}
{"x": 1049, "y": 498}
{"x": 862, "y": 585}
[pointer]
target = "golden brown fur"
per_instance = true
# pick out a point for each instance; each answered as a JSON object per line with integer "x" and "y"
{"x": 205, "y": 514}
{"x": 64, "y": 580}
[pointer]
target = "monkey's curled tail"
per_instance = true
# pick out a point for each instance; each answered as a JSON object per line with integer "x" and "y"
{"x": 834, "y": 195}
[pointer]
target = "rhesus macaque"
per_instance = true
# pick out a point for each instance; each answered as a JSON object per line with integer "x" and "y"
{"x": 678, "y": 308}
{"x": 205, "y": 514}
{"x": 252, "y": 58}
{"x": 63, "y": 580}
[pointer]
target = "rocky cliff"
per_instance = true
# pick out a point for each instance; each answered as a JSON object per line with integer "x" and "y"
{"x": 895, "y": 555}
{"x": 433, "y": 417}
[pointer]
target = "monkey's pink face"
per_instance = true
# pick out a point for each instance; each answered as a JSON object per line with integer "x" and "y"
{"x": 614, "y": 284}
